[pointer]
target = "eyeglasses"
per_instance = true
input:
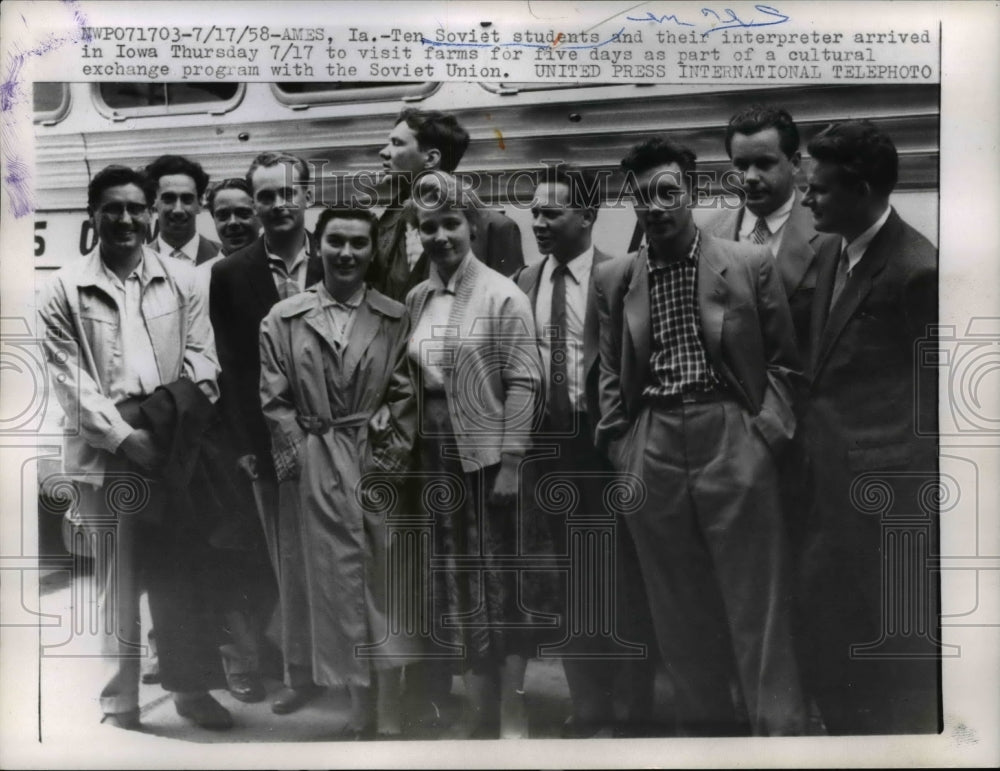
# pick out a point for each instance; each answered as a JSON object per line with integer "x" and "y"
{"x": 116, "y": 210}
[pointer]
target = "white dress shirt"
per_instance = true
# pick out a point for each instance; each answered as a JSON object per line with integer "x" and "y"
{"x": 577, "y": 288}
{"x": 775, "y": 224}
{"x": 137, "y": 373}
{"x": 857, "y": 248}
{"x": 190, "y": 249}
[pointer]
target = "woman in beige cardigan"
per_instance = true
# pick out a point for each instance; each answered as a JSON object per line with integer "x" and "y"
{"x": 476, "y": 367}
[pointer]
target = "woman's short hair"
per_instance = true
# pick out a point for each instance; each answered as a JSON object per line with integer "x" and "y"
{"x": 434, "y": 190}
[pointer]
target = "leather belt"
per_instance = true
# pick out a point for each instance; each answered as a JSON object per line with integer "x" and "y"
{"x": 670, "y": 401}
{"x": 318, "y": 425}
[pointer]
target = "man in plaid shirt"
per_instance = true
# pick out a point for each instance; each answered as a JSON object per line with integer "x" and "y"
{"x": 698, "y": 363}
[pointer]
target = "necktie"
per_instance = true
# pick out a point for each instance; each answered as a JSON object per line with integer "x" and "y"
{"x": 760, "y": 231}
{"x": 841, "y": 277}
{"x": 560, "y": 414}
{"x": 177, "y": 254}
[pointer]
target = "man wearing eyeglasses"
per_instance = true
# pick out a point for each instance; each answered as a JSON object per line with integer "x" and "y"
{"x": 123, "y": 326}
{"x": 280, "y": 263}
{"x": 180, "y": 184}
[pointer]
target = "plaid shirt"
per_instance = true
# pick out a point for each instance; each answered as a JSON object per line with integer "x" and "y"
{"x": 678, "y": 362}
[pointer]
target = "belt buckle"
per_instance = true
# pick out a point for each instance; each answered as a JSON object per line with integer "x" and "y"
{"x": 313, "y": 424}
{"x": 689, "y": 397}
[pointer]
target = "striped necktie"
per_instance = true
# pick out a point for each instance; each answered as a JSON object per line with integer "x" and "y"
{"x": 760, "y": 231}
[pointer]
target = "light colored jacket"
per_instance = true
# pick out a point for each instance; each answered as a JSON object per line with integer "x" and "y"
{"x": 494, "y": 386}
{"x": 80, "y": 325}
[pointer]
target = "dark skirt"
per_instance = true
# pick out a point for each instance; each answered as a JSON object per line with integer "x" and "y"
{"x": 488, "y": 596}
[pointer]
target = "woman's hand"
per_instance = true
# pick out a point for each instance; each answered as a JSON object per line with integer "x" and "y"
{"x": 379, "y": 422}
{"x": 506, "y": 484}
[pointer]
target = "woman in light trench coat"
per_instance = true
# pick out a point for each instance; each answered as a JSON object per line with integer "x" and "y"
{"x": 339, "y": 406}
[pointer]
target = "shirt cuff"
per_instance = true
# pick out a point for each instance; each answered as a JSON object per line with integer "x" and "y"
{"x": 116, "y": 434}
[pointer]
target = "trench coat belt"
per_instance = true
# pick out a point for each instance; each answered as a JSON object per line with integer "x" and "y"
{"x": 318, "y": 425}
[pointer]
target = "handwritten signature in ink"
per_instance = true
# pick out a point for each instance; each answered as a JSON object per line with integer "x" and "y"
{"x": 730, "y": 19}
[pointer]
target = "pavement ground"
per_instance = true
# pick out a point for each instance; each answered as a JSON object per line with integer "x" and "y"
{"x": 71, "y": 674}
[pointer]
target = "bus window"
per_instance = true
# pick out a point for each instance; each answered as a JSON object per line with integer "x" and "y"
{"x": 298, "y": 95}
{"x": 50, "y": 102}
{"x": 168, "y": 98}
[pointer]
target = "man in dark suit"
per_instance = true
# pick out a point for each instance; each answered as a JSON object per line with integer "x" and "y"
{"x": 180, "y": 185}
{"x": 870, "y": 670}
{"x": 698, "y": 363}
{"x": 428, "y": 141}
{"x": 243, "y": 288}
{"x": 763, "y": 144}
{"x": 562, "y": 296}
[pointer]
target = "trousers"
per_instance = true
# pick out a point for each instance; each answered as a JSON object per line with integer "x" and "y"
{"x": 711, "y": 545}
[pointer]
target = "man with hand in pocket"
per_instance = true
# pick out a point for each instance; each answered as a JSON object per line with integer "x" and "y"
{"x": 698, "y": 368}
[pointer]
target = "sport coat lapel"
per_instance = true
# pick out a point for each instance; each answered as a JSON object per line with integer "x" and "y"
{"x": 528, "y": 281}
{"x": 826, "y": 269}
{"x": 259, "y": 274}
{"x": 206, "y": 250}
{"x": 726, "y": 225}
{"x": 712, "y": 296}
{"x": 314, "y": 263}
{"x": 796, "y": 253}
{"x": 857, "y": 287}
{"x": 636, "y": 309}
{"x": 591, "y": 325}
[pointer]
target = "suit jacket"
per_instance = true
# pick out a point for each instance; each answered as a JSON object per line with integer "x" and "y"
{"x": 746, "y": 328}
{"x": 527, "y": 279}
{"x": 497, "y": 244}
{"x": 240, "y": 295}
{"x": 796, "y": 259}
{"x": 206, "y": 249}
{"x": 867, "y": 385}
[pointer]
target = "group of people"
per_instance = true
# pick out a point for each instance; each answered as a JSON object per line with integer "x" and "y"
{"x": 363, "y": 431}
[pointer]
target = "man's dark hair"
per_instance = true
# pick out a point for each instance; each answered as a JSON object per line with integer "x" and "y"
{"x": 759, "y": 118}
{"x": 659, "y": 151}
{"x": 582, "y": 186}
{"x": 116, "y": 176}
{"x": 861, "y": 151}
{"x": 268, "y": 159}
{"x": 347, "y": 213}
{"x": 233, "y": 183}
{"x": 177, "y": 164}
{"x": 439, "y": 131}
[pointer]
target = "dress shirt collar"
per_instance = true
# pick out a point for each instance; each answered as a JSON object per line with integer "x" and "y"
{"x": 775, "y": 220}
{"x": 579, "y": 266}
{"x": 352, "y": 303}
{"x": 138, "y": 270}
{"x": 691, "y": 256}
{"x": 856, "y": 248}
{"x": 437, "y": 284}
{"x": 190, "y": 249}
{"x": 300, "y": 256}
{"x": 147, "y": 269}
